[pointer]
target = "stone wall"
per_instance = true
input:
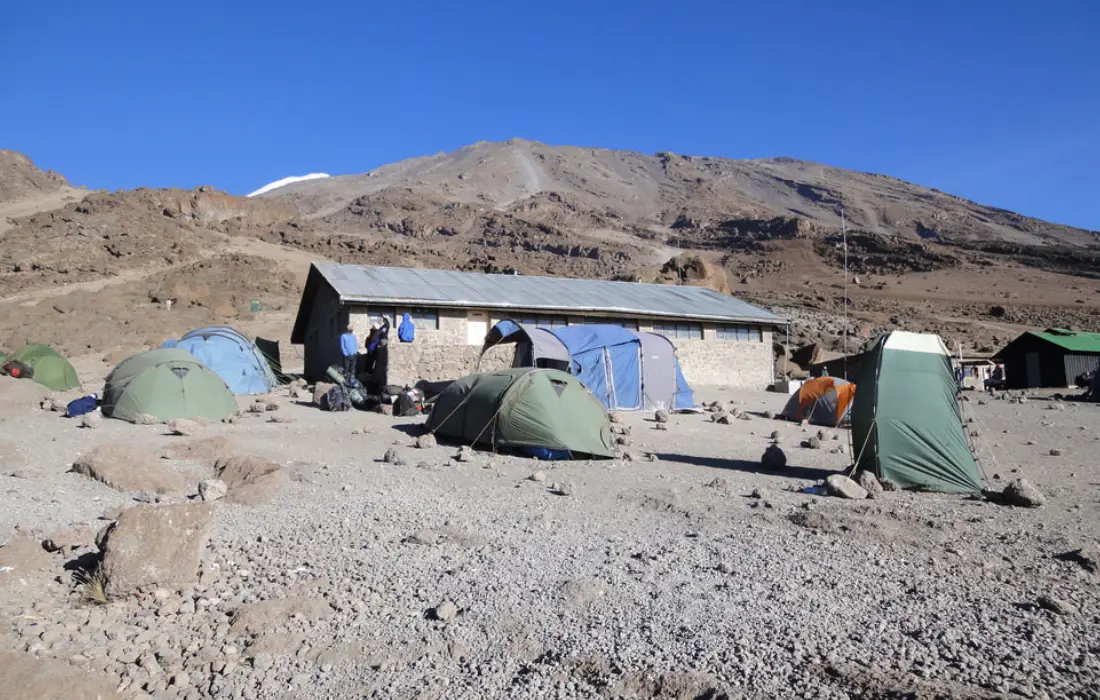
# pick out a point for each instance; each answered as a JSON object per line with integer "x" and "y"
{"x": 447, "y": 353}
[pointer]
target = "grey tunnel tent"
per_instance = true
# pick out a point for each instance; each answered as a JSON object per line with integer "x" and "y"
{"x": 906, "y": 423}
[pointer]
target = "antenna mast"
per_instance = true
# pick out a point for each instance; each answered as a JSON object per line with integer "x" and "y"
{"x": 844, "y": 236}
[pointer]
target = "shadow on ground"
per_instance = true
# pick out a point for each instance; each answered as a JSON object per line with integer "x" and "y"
{"x": 741, "y": 465}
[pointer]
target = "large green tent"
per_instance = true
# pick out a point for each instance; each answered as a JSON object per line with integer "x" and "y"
{"x": 167, "y": 384}
{"x": 906, "y": 423}
{"x": 51, "y": 370}
{"x": 524, "y": 408}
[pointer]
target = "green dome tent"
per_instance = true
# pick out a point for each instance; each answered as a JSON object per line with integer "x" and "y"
{"x": 51, "y": 370}
{"x": 524, "y": 408}
{"x": 167, "y": 384}
{"x": 906, "y": 423}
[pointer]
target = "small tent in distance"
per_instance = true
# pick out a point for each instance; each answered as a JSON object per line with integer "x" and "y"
{"x": 50, "y": 368}
{"x": 167, "y": 384}
{"x": 906, "y": 423}
{"x": 231, "y": 356}
{"x": 526, "y": 409}
{"x": 822, "y": 401}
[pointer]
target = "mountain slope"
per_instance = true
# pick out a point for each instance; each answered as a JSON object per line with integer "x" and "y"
{"x": 657, "y": 191}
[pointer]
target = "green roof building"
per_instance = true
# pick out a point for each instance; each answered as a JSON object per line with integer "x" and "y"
{"x": 1053, "y": 358}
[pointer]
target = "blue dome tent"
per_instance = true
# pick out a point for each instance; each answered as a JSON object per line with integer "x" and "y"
{"x": 626, "y": 371}
{"x": 231, "y": 356}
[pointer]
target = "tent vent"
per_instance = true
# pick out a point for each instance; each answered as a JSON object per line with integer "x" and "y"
{"x": 559, "y": 386}
{"x": 180, "y": 372}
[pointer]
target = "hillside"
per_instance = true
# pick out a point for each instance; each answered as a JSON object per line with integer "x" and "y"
{"x": 89, "y": 270}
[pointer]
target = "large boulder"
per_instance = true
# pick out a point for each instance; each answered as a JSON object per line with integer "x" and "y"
{"x": 251, "y": 480}
{"x": 155, "y": 545}
{"x": 25, "y": 677}
{"x": 773, "y": 459}
{"x": 842, "y": 486}
{"x": 128, "y": 468}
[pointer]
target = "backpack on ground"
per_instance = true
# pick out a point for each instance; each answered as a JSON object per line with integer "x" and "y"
{"x": 408, "y": 403}
{"x": 78, "y": 407}
{"x": 335, "y": 400}
{"x": 19, "y": 370}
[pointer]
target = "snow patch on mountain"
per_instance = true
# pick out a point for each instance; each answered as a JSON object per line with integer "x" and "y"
{"x": 286, "y": 181}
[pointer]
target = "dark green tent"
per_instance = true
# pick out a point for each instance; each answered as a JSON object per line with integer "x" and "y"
{"x": 168, "y": 384}
{"x": 906, "y": 423}
{"x": 51, "y": 370}
{"x": 524, "y": 408}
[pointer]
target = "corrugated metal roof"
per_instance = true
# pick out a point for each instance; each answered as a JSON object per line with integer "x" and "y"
{"x": 1074, "y": 341}
{"x": 423, "y": 287}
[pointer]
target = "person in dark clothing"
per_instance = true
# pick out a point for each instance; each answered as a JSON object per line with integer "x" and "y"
{"x": 371, "y": 342}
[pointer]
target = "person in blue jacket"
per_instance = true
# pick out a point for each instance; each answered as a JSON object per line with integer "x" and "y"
{"x": 349, "y": 347}
{"x": 406, "y": 332}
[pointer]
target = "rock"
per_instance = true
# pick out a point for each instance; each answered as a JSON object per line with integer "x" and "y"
{"x": 721, "y": 417}
{"x": 144, "y": 419}
{"x": 774, "y": 436}
{"x": 182, "y": 426}
{"x": 614, "y": 417}
{"x": 426, "y": 441}
{"x": 563, "y": 488}
{"x": 770, "y": 415}
{"x": 1087, "y": 557}
{"x": 1055, "y": 452}
{"x": 319, "y": 390}
{"x": 445, "y": 611}
{"x": 25, "y": 677}
{"x": 843, "y": 487}
{"x": 661, "y": 416}
{"x": 651, "y": 457}
{"x": 282, "y": 420}
{"x": 1022, "y": 494}
{"x": 870, "y": 483}
{"x": 128, "y": 468}
{"x": 465, "y": 454}
{"x": 212, "y": 489}
{"x": 1054, "y": 605}
{"x": 812, "y": 444}
{"x": 253, "y": 618}
{"x": 888, "y": 485}
{"x": 744, "y": 415}
{"x": 773, "y": 458}
{"x": 251, "y": 480}
{"x": 622, "y": 440}
{"x": 661, "y": 426}
{"x": 393, "y": 457}
{"x": 537, "y": 476}
{"x": 257, "y": 407}
{"x": 91, "y": 420}
{"x": 70, "y": 538}
{"x": 155, "y": 545}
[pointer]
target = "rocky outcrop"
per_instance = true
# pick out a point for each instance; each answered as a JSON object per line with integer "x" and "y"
{"x": 155, "y": 545}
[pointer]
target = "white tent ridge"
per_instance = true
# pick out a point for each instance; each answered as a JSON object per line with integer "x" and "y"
{"x": 287, "y": 181}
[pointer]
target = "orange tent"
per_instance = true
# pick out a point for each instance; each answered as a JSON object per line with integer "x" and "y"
{"x": 823, "y": 401}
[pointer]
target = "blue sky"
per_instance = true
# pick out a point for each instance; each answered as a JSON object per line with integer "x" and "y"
{"x": 995, "y": 101}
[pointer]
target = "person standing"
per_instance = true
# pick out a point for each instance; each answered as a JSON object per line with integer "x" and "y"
{"x": 349, "y": 347}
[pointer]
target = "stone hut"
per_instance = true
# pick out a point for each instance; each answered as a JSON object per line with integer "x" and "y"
{"x": 719, "y": 339}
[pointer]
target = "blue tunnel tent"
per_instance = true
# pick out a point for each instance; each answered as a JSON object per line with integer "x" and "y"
{"x": 231, "y": 356}
{"x": 626, "y": 371}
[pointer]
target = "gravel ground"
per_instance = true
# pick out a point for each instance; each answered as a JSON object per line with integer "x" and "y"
{"x": 688, "y": 575}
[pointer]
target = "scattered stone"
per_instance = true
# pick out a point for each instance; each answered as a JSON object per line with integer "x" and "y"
{"x": 537, "y": 476}
{"x": 627, "y": 456}
{"x": 445, "y": 611}
{"x": 661, "y": 416}
{"x": 661, "y": 426}
{"x": 182, "y": 426}
{"x": 774, "y": 436}
{"x": 870, "y": 483}
{"x": 251, "y": 480}
{"x": 128, "y": 468}
{"x": 770, "y": 415}
{"x": 721, "y": 417}
{"x": 622, "y": 440}
{"x": 773, "y": 458}
{"x": 614, "y": 417}
{"x": 426, "y": 441}
{"x": 1086, "y": 557}
{"x": 155, "y": 545}
{"x": 1022, "y": 494}
{"x": 744, "y": 415}
{"x": 843, "y": 487}
{"x": 812, "y": 444}
{"x": 1054, "y": 605}
{"x": 257, "y": 408}
{"x": 212, "y": 489}
{"x": 282, "y": 420}
{"x": 1055, "y": 452}
{"x": 144, "y": 419}
{"x": 465, "y": 454}
{"x": 562, "y": 488}
{"x": 651, "y": 457}
{"x": 253, "y": 618}
{"x": 91, "y": 420}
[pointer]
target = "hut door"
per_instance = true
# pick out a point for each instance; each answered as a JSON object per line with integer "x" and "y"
{"x": 1032, "y": 360}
